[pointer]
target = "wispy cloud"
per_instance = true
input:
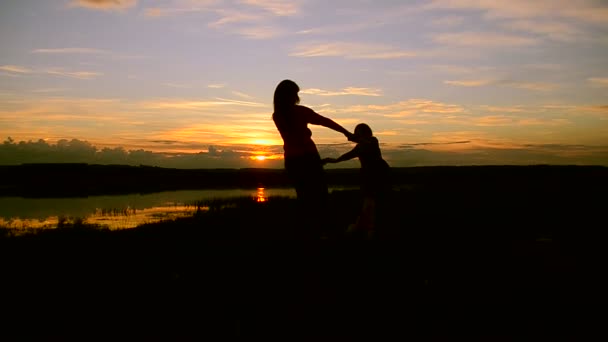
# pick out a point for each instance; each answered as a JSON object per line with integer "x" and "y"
{"x": 553, "y": 29}
{"x": 349, "y": 50}
{"x": 584, "y": 10}
{"x": 598, "y": 81}
{"x": 470, "y": 83}
{"x": 177, "y": 85}
{"x": 198, "y": 104}
{"x": 276, "y": 7}
{"x": 505, "y": 120}
{"x": 243, "y": 95}
{"x": 106, "y": 5}
{"x": 83, "y": 75}
{"x": 502, "y": 109}
{"x": 344, "y": 28}
{"x": 230, "y": 16}
{"x": 15, "y": 69}
{"x": 448, "y": 21}
{"x": 408, "y": 108}
{"x": 253, "y": 19}
{"x": 483, "y": 39}
{"x": 460, "y": 69}
{"x": 345, "y": 91}
{"x": 71, "y": 50}
{"x": 216, "y": 86}
{"x": 48, "y": 90}
{"x": 536, "y": 86}
{"x": 258, "y": 32}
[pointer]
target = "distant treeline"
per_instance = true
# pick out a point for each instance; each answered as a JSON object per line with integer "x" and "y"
{"x": 81, "y": 179}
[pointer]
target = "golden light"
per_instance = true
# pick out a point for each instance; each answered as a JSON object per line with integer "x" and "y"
{"x": 260, "y": 158}
{"x": 261, "y": 196}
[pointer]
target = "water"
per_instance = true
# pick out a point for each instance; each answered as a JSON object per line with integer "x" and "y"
{"x": 117, "y": 212}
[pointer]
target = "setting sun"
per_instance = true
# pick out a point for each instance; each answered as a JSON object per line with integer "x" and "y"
{"x": 260, "y": 158}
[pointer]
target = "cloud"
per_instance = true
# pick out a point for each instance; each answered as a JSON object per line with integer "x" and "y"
{"x": 48, "y": 90}
{"x": 243, "y": 95}
{"x": 349, "y": 50}
{"x": 598, "y": 81}
{"x": 502, "y": 109}
{"x": 177, "y": 85}
{"x": 407, "y": 108}
{"x": 106, "y": 5}
{"x": 344, "y": 28}
{"x": 583, "y": 10}
{"x": 72, "y": 50}
{"x": 216, "y": 86}
{"x": 345, "y": 91}
{"x": 461, "y": 69}
{"x": 199, "y": 104}
{"x": 252, "y": 19}
{"x": 15, "y": 69}
{"x": 258, "y": 32}
{"x": 555, "y": 30}
{"x": 438, "y": 143}
{"x": 276, "y": 7}
{"x": 505, "y": 120}
{"x": 235, "y": 17}
{"x": 483, "y": 39}
{"x": 470, "y": 83}
{"x": 83, "y": 75}
{"x": 535, "y": 86}
{"x": 448, "y": 21}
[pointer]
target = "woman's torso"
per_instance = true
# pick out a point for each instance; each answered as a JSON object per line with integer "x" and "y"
{"x": 293, "y": 127}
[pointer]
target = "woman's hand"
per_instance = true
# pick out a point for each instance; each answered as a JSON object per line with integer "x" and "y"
{"x": 350, "y": 136}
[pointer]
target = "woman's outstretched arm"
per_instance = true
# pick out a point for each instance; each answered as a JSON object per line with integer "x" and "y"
{"x": 317, "y": 119}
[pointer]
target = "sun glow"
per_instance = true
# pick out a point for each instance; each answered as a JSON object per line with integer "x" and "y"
{"x": 260, "y": 158}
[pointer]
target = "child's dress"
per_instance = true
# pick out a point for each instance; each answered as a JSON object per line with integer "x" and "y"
{"x": 375, "y": 180}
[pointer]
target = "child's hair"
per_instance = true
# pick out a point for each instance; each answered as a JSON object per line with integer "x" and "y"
{"x": 363, "y": 130}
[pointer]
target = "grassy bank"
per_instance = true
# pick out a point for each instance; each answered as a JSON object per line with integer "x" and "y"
{"x": 474, "y": 257}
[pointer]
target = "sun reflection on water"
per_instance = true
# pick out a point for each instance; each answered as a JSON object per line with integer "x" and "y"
{"x": 261, "y": 196}
{"x": 118, "y": 212}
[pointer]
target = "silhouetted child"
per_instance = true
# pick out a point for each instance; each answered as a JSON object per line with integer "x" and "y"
{"x": 374, "y": 175}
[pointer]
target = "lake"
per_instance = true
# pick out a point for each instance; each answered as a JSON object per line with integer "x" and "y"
{"x": 118, "y": 211}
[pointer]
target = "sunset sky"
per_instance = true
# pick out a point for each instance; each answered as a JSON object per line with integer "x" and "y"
{"x": 440, "y": 82}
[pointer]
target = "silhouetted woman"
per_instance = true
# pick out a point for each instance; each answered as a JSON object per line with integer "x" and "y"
{"x": 302, "y": 160}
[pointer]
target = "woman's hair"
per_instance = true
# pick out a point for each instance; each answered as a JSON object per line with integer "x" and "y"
{"x": 363, "y": 130}
{"x": 286, "y": 96}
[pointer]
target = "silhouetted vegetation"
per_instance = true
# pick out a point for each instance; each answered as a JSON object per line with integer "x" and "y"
{"x": 501, "y": 250}
{"x": 66, "y": 180}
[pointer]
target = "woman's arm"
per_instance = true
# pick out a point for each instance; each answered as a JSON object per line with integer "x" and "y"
{"x": 317, "y": 119}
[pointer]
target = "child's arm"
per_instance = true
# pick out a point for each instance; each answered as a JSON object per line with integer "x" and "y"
{"x": 346, "y": 156}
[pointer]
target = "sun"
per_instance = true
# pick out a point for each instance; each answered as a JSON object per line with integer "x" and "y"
{"x": 260, "y": 158}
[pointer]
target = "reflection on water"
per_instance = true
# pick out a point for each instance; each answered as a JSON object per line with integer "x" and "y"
{"x": 261, "y": 195}
{"x": 117, "y": 212}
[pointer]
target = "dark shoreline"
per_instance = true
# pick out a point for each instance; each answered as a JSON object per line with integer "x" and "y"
{"x": 475, "y": 251}
{"x": 78, "y": 180}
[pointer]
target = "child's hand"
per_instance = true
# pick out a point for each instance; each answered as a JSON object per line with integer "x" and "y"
{"x": 328, "y": 160}
{"x": 350, "y": 137}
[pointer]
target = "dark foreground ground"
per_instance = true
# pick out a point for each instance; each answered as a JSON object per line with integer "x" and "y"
{"x": 469, "y": 256}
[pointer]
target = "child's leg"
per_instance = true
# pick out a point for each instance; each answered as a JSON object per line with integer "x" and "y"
{"x": 365, "y": 222}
